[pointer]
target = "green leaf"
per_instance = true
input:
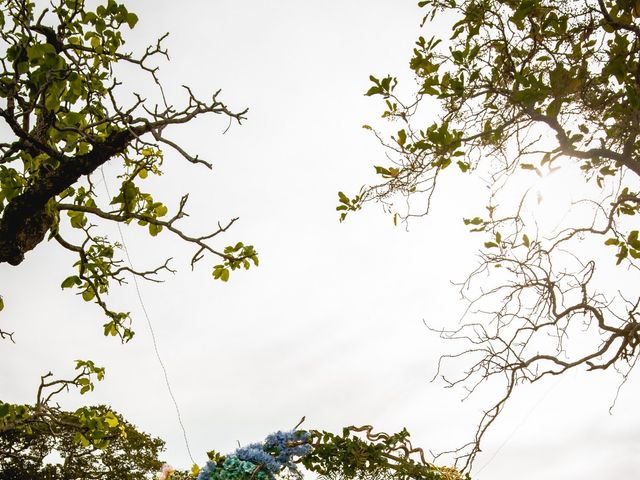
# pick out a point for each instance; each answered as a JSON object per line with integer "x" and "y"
{"x": 71, "y": 281}
{"x": 633, "y": 241}
{"x": 132, "y": 19}
{"x": 224, "y": 275}
{"x": 161, "y": 210}
{"x": 473, "y": 221}
{"x": 402, "y": 137}
{"x": 111, "y": 420}
{"x": 80, "y": 438}
{"x": 373, "y": 91}
{"x": 490, "y": 245}
{"x": 622, "y": 254}
{"x": 95, "y": 44}
{"x": 88, "y": 294}
{"x": 110, "y": 329}
{"x": 525, "y": 240}
{"x": 77, "y": 219}
{"x": 528, "y": 166}
{"x": 154, "y": 229}
{"x": 553, "y": 109}
{"x": 464, "y": 167}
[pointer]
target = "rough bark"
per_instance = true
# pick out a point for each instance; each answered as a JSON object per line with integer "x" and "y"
{"x": 26, "y": 220}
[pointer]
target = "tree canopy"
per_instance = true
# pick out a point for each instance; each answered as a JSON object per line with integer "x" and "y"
{"x": 128, "y": 454}
{"x": 66, "y": 117}
{"x": 98, "y": 443}
{"x": 90, "y": 442}
{"x": 526, "y": 88}
{"x": 68, "y": 114}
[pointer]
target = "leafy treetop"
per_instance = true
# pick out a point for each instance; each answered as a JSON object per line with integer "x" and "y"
{"x": 527, "y": 86}
{"x": 93, "y": 442}
{"x": 62, "y": 103}
{"x": 125, "y": 453}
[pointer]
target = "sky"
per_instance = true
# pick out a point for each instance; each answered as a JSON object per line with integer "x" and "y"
{"x": 331, "y": 325}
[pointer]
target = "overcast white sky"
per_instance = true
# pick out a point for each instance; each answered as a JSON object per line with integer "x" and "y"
{"x": 331, "y": 324}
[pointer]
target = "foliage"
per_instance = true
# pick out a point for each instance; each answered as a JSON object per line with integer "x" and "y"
{"x": 346, "y": 456}
{"x": 92, "y": 428}
{"x": 129, "y": 455}
{"x": 377, "y": 456}
{"x": 526, "y": 88}
{"x": 63, "y": 104}
{"x": 92, "y": 442}
{"x": 68, "y": 113}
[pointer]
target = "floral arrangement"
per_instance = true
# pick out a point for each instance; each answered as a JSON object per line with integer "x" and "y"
{"x": 260, "y": 461}
{"x": 345, "y": 457}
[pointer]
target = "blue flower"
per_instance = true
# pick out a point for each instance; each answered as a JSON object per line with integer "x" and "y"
{"x": 287, "y": 445}
{"x": 207, "y": 472}
{"x": 255, "y": 453}
{"x": 235, "y": 468}
{"x": 261, "y": 461}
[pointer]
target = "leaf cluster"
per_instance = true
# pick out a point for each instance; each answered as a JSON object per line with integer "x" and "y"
{"x": 124, "y": 454}
{"x": 376, "y": 456}
{"x": 525, "y": 88}
{"x": 61, "y": 99}
{"x": 90, "y": 442}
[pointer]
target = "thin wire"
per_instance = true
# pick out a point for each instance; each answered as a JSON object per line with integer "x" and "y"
{"x": 151, "y": 330}
{"x": 522, "y": 422}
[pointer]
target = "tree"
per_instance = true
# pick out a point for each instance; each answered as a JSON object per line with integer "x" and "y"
{"x": 526, "y": 88}
{"x": 92, "y": 442}
{"x": 131, "y": 456}
{"x": 66, "y": 115}
{"x": 62, "y": 102}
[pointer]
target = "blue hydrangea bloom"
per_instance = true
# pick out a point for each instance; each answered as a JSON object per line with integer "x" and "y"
{"x": 255, "y": 453}
{"x": 271, "y": 457}
{"x": 287, "y": 445}
{"x": 207, "y": 472}
{"x": 291, "y": 443}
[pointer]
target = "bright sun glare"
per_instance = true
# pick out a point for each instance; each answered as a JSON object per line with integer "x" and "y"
{"x": 553, "y": 198}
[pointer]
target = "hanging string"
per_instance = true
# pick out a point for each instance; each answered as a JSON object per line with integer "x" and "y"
{"x": 151, "y": 331}
{"x": 521, "y": 424}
